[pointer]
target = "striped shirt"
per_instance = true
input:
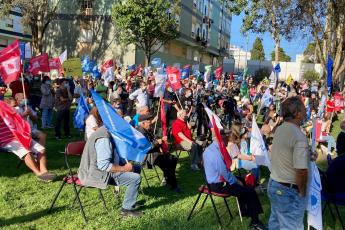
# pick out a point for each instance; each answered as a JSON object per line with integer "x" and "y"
{"x": 6, "y": 135}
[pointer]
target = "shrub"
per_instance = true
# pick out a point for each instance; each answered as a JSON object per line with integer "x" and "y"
{"x": 311, "y": 75}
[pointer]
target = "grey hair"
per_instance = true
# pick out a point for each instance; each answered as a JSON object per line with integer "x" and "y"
{"x": 290, "y": 107}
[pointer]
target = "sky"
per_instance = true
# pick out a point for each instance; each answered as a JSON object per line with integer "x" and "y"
{"x": 295, "y": 46}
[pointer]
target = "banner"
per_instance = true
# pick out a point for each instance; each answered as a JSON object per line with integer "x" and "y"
{"x": 185, "y": 72}
{"x": 39, "y": 64}
{"x": 314, "y": 198}
{"x": 106, "y": 65}
{"x": 174, "y": 77}
{"x": 54, "y": 64}
{"x": 156, "y": 62}
{"x": 160, "y": 80}
{"x": 329, "y": 74}
{"x": 219, "y": 72}
{"x": 207, "y": 74}
{"x": 10, "y": 65}
{"x": 289, "y": 80}
{"x": 72, "y": 67}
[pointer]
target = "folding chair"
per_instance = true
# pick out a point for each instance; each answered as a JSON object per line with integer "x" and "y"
{"x": 149, "y": 159}
{"x": 74, "y": 149}
{"x": 329, "y": 198}
{"x": 206, "y": 189}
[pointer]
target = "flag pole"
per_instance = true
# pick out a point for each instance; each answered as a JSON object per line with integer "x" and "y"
{"x": 178, "y": 99}
{"x": 24, "y": 93}
{"x": 159, "y": 106}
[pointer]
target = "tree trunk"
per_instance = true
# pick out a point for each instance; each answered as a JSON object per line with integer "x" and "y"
{"x": 276, "y": 52}
{"x": 148, "y": 58}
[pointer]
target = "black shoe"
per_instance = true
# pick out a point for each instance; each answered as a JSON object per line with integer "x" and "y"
{"x": 176, "y": 189}
{"x": 257, "y": 226}
{"x": 130, "y": 213}
{"x": 68, "y": 137}
{"x": 139, "y": 204}
{"x": 58, "y": 138}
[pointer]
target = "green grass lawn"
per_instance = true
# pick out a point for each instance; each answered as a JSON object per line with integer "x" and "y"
{"x": 24, "y": 200}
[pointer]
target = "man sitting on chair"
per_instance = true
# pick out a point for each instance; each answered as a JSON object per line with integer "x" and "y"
{"x": 101, "y": 165}
{"x": 183, "y": 136}
{"x": 215, "y": 168}
{"x": 165, "y": 161}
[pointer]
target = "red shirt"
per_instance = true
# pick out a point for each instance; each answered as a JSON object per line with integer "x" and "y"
{"x": 180, "y": 126}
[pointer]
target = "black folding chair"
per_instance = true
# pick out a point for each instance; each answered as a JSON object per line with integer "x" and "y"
{"x": 74, "y": 149}
{"x": 149, "y": 160}
{"x": 331, "y": 198}
{"x": 206, "y": 189}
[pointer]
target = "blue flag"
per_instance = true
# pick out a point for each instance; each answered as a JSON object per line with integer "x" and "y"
{"x": 329, "y": 74}
{"x": 132, "y": 67}
{"x": 80, "y": 114}
{"x": 156, "y": 62}
{"x": 22, "y": 50}
{"x": 277, "y": 68}
{"x": 130, "y": 143}
{"x": 185, "y": 73}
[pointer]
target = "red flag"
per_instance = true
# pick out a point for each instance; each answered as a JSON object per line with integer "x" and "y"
{"x": 39, "y": 63}
{"x": 10, "y": 65}
{"x": 137, "y": 71}
{"x": 219, "y": 72}
{"x": 106, "y": 65}
{"x": 225, "y": 155}
{"x": 174, "y": 77}
{"x": 339, "y": 102}
{"x": 18, "y": 126}
{"x": 165, "y": 146}
{"x": 55, "y": 63}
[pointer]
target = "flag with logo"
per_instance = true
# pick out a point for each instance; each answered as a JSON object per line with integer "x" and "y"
{"x": 10, "y": 65}
{"x": 129, "y": 142}
{"x": 185, "y": 72}
{"x": 289, "y": 80}
{"x": 39, "y": 64}
{"x": 314, "y": 198}
{"x": 211, "y": 114}
{"x": 54, "y": 64}
{"x": 137, "y": 71}
{"x": 80, "y": 114}
{"x": 156, "y": 62}
{"x": 219, "y": 72}
{"x": 63, "y": 57}
{"x": 19, "y": 127}
{"x": 329, "y": 74}
{"x": 174, "y": 78}
{"x": 107, "y": 65}
{"x": 207, "y": 74}
{"x": 160, "y": 80}
{"x": 258, "y": 147}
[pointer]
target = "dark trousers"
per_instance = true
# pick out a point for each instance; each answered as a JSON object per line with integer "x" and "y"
{"x": 249, "y": 201}
{"x": 62, "y": 115}
{"x": 167, "y": 164}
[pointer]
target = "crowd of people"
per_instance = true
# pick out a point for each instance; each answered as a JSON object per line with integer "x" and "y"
{"x": 284, "y": 111}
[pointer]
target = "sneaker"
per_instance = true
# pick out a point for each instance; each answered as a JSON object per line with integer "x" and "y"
{"x": 194, "y": 167}
{"x": 47, "y": 177}
{"x": 163, "y": 182}
{"x": 257, "y": 226}
{"x": 130, "y": 213}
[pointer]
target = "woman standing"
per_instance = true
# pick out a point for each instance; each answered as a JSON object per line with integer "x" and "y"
{"x": 47, "y": 103}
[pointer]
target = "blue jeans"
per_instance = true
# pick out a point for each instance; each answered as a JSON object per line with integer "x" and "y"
{"x": 47, "y": 115}
{"x": 132, "y": 181}
{"x": 287, "y": 207}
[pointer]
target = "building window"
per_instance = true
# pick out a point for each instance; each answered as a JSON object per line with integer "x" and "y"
{"x": 9, "y": 23}
{"x": 86, "y": 4}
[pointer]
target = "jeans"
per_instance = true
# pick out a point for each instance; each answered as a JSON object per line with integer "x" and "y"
{"x": 330, "y": 142}
{"x": 132, "y": 181}
{"x": 47, "y": 115}
{"x": 62, "y": 115}
{"x": 287, "y": 207}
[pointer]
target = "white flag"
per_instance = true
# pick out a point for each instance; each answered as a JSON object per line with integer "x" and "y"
{"x": 314, "y": 198}
{"x": 160, "y": 84}
{"x": 257, "y": 146}
{"x": 210, "y": 113}
{"x": 63, "y": 57}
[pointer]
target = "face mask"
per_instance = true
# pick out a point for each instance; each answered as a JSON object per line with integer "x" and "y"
{"x": 48, "y": 82}
{"x": 249, "y": 135}
{"x": 90, "y": 106}
{"x": 36, "y": 78}
{"x": 24, "y": 102}
{"x": 188, "y": 95}
{"x": 66, "y": 85}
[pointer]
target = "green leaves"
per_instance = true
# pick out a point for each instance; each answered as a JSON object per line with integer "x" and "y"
{"x": 146, "y": 23}
{"x": 257, "y": 52}
{"x": 282, "y": 55}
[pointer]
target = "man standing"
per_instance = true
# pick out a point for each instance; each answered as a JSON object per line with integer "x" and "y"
{"x": 290, "y": 156}
{"x": 63, "y": 100}
{"x": 101, "y": 165}
{"x": 140, "y": 95}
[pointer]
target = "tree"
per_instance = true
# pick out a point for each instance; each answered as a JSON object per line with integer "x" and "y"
{"x": 324, "y": 20}
{"x": 261, "y": 74}
{"x": 282, "y": 55}
{"x": 268, "y": 16}
{"x": 257, "y": 52}
{"x": 310, "y": 53}
{"x": 148, "y": 24}
{"x": 37, "y": 14}
{"x": 311, "y": 75}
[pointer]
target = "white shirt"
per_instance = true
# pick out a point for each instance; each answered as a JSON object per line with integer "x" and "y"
{"x": 90, "y": 124}
{"x": 140, "y": 96}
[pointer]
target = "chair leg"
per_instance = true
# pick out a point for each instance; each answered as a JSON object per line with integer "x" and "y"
{"x": 80, "y": 204}
{"x": 239, "y": 209}
{"x": 339, "y": 216}
{"x": 75, "y": 198}
{"x": 144, "y": 174}
{"x": 56, "y": 196}
{"x": 102, "y": 198}
{"x": 154, "y": 167}
{"x": 227, "y": 207}
{"x": 215, "y": 210}
{"x": 203, "y": 203}
{"x": 195, "y": 203}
